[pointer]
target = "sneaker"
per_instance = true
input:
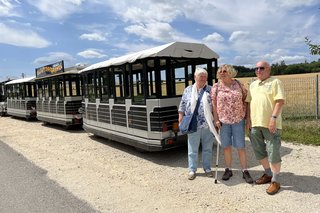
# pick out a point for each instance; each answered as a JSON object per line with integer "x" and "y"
{"x": 247, "y": 177}
{"x": 191, "y": 175}
{"x": 209, "y": 173}
{"x": 227, "y": 174}
{"x": 264, "y": 179}
{"x": 273, "y": 188}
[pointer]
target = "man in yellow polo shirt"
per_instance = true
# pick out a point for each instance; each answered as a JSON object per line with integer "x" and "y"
{"x": 266, "y": 97}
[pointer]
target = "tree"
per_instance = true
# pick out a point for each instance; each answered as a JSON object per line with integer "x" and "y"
{"x": 314, "y": 49}
{"x": 278, "y": 69}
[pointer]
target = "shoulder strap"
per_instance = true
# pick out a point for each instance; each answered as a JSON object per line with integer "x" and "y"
{"x": 243, "y": 95}
{"x": 199, "y": 98}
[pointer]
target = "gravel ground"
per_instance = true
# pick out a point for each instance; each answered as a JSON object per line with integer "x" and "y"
{"x": 113, "y": 177}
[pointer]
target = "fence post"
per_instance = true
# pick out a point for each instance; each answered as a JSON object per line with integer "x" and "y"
{"x": 317, "y": 96}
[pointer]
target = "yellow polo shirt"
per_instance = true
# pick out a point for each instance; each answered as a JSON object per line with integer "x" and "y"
{"x": 262, "y": 96}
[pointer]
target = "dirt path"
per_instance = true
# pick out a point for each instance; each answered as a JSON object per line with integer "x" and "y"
{"x": 113, "y": 177}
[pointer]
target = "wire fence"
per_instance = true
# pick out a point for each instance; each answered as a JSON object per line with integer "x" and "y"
{"x": 302, "y": 97}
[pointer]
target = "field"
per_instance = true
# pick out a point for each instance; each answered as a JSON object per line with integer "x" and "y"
{"x": 301, "y": 111}
{"x": 302, "y": 97}
{"x": 284, "y": 77}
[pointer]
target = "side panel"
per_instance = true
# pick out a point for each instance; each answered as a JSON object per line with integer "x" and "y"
{"x": 24, "y": 108}
{"x": 148, "y": 127}
{"x": 64, "y": 112}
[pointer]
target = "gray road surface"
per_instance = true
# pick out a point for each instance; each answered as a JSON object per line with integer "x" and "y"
{"x": 25, "y": 188}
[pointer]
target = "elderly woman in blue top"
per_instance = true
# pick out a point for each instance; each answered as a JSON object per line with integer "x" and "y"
{"x": 203, "y": 135}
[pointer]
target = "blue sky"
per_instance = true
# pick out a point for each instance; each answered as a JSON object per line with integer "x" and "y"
{"x": 37, "y": 33}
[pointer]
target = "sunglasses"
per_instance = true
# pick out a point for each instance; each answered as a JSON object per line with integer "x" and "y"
{"x": 223, "y": 71}
{"x": 259, "y": 68}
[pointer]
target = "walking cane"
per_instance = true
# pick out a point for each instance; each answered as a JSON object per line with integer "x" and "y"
{"x": 217, "y": 165}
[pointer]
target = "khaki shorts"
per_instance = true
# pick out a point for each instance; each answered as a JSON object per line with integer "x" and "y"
{"x": 266, "y": 144}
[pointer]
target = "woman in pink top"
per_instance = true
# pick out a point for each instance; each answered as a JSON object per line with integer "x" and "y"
{"x": 229, "y": 110}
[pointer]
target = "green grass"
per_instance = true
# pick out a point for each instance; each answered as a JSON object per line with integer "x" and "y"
{"x": 302, "y": 131}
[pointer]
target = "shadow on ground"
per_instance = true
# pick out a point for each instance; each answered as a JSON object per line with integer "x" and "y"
{"x": 177, "y": 157}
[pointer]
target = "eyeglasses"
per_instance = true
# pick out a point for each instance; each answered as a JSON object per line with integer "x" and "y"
{"x": 223, "y": 71}
{"x": 259, "y": 68}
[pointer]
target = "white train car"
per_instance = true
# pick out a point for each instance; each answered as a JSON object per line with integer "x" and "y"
{"x": 134, "y": 99}
{"x": 59, "y": 94}
{"x": 21, "y": 98}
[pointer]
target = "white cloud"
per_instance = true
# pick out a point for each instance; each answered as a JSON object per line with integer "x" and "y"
{"x": 7, "y": 8}
{"x": 310, "y": 22}
{"x": 280, "y": 51}
{"x": 239, "y": 35}
{"x": 290, "y": 59}
{"x": 214, "y": 37}
{"x": 21, "y": 37}
{"x": 92, "y": 53}
{"x": 132, "y": 47}
{"x": 93, "y": 37}
{"x": 54, "y": 57}
{"x": 256, "y": 31}
{"x": 296, "y": 3}
{"x": 244, "y": 32}
{"x": 157, "y": 31}
{"x": 57, "y": 9}
{"x": 140, "y": 11}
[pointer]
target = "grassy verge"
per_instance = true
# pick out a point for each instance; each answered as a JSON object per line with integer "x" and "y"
{"x": 304, "y": 131}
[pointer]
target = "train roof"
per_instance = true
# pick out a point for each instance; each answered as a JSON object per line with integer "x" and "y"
{"x": 21, "y": 80}
{"x": 174, "y": 49}
{"x": 5, "y": 81}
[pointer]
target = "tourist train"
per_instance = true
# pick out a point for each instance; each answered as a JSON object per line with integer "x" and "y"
{"x": 21, "y": 98}
{"x": 132, "y": 99}
{"x": 3, "y": 97}
{"x": 59, "y": 94}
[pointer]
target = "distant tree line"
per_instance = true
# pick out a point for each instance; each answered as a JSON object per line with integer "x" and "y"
{"x": 278, "y": 69}
{"x": 282, "y": 69}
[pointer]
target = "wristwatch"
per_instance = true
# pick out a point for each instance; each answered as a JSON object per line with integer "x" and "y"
{"x": 274, "y": 117}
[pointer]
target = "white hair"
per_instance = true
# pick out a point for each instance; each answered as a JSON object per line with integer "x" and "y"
{"x": 200, "y": 70}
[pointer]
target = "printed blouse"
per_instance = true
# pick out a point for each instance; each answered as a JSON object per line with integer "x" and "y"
{"x": 230, "y": 101}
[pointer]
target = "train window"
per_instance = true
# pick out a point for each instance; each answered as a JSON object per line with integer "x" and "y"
{"x": 9, "y": 91}
{"x": 68, "y": 86}
{"x": 190, "y": 76}
{"x": 53, "y": 89}
{"x": 163, "y": 83}
{"x": 119, "y": 86}
{"x": 97, "y": 88}
{"x": 72, "y": 85}
{"x": 151, "y": 84}
{"x": 33, "y": 90}
{"x": 40, "y": 89}
{"x": 61, "y": 89}
{"x": 105, "y": 86}
{"x": 137, "y": 93}
{"x": 16, "y": 91}
{"x": 21, "y": 91}
{"x": 28, "y": 90}
{"x": 180, "y": 80}
{"x": 91, "y": 87}
{"x": 78, "y": 85}
{"x": 46, "y": 89}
